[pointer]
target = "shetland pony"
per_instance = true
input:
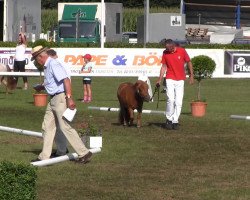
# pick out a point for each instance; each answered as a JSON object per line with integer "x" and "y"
{"x": 131, "y": 96}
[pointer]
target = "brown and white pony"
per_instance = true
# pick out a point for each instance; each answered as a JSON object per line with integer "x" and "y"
{"x": 131, "y": 96}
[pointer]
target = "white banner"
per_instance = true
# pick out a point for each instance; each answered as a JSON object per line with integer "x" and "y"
{"x": 121, "y": 62}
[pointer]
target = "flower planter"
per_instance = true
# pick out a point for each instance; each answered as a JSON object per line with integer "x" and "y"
{"x": 198, "y": 109}
{"x": 92, "y": 142}
{"x": 40, "y": 99}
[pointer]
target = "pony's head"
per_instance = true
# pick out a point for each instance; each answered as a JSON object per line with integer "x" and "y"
{"x": 142, "y": 90}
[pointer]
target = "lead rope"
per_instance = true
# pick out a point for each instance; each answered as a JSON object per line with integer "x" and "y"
{"x": 158, "y": 97}
{"x": 157, "y": 89}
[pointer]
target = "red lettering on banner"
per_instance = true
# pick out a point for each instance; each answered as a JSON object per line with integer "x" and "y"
{"x": 74, "y": 60}
{"x": 70, "y": 58}
{"x": 98, "y": 60}
{"x": 150, "y": 60}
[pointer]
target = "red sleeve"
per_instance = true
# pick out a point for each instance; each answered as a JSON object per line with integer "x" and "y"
{"x": 163, "y": 60}
{"x": 186, "y": 56}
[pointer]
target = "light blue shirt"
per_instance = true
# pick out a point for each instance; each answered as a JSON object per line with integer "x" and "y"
{"x": 54, "y": 74}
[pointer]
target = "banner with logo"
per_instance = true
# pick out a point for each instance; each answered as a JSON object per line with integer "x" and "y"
{"x": 237, "y": 63}
{"x": 118, "y": 62}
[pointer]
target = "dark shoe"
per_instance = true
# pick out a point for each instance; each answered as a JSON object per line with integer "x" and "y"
{"x": 164, "y": 91}
{"x": 176, "y": 126}
{"x": 169, "y": 125}
{"x": 35, "y": 160}
{"x": 54, "y": 154}
{"x": 85, "y": 159}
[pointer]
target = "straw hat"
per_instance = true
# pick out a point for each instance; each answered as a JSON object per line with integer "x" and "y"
{"x": 36, "y": 51}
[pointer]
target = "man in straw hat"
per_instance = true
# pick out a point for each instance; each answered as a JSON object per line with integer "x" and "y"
{"x": 58, "y": 86}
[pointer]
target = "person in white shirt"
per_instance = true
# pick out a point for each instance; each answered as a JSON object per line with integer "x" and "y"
{"x": 19, "y": 58}
{"x": 87, "y": 68}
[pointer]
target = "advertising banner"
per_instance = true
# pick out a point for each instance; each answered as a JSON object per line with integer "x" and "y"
{"x": 237, "y": 63}
{"x": 119, "y": 62}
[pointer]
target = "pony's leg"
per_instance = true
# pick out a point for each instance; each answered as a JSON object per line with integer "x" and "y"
{"x": 138, "y": 119}
{"x": 122, "y": 116}
{"x": 3, "y": 81}
{"x": 131, "y": 116}
{"x": 139, "y": 113}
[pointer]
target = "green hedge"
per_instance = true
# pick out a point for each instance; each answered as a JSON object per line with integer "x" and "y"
{"x": 17, "y": 181}
{"x": 125, "y": 45}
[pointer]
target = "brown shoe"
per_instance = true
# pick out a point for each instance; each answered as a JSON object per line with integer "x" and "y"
{"x": 85, "y": 159}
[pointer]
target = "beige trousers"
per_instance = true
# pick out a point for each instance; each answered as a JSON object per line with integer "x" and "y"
{"x": 52, "y": 119}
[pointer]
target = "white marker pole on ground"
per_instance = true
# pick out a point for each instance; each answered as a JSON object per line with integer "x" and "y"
{"x": 240, "y": 117}
{"x": 118, "y": 109}
{"x": 70, "y": 156}
{"x": 20, "y": 131}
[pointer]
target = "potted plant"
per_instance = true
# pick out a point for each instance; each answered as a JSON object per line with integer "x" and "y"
{"x": 203, "y": 67}
{"x": 90, "y": 134}
{"x": 40, "y": 98}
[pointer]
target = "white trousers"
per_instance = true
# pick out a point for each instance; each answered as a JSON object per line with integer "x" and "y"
{"x": 175, "y": 92}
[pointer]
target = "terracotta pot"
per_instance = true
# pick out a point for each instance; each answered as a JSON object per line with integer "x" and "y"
{"x": 198, "y": 108}
{"x": 40, "y": 99}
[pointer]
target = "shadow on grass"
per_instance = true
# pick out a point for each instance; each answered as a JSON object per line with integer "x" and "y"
{"x": 9, "y": 93}
{"x": 31, "y": 102}
{"x": 187, "y": 113}
{"x": 118, "y": 124}
{"x": 158, "y": 124}
{"x": 100, "y": 100}
{"x": 106, "y": 99}
{"x": 34, "y": 151}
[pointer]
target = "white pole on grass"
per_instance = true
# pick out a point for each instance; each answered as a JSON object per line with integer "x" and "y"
{"x": 70, "y": 156}
{"x": 20, "y": 131}
{"x": 118, "y": 109}
{"x": 240, "y": 117}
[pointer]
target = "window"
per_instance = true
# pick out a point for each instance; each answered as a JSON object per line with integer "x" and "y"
{"x": 68, "y": 29}
{"x": 118, "y": 24}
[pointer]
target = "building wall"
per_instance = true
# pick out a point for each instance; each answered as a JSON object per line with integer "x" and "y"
{"x": 161, "y": 26}
{"x": 113, "y": 22}
{"x": 22, "y": 15}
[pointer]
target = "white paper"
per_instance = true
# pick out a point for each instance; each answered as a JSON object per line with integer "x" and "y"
{"x": 69, "y": 114}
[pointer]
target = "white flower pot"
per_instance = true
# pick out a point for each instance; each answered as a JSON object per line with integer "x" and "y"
{"x": 92, "y": 141}
{"x": 95, "y": 142}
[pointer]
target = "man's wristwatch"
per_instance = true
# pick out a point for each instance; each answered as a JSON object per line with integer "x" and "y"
{"x": 68, "y": 96}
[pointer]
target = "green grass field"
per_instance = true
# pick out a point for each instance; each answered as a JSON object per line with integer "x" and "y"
{"x": 207, "y": 159}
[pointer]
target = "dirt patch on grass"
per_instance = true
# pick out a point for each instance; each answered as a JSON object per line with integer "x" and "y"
{"x": 21, "y": 140}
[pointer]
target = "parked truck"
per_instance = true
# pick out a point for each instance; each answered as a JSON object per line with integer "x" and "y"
{"x": 81, "y": 22}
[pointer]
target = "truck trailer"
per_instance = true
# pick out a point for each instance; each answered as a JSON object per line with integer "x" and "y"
{"x": 81, "y": 22}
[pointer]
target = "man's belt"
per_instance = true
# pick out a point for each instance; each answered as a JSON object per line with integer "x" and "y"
{"x": 51, "y": 96}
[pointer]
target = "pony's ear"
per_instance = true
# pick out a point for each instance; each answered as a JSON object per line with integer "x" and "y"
{"x": 137, "y": 85}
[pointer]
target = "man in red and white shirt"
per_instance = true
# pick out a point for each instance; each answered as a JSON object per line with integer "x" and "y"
{"x": 173, "y": 64}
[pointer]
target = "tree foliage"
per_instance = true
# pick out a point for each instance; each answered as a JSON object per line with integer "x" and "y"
{"x": 52, "y": 4}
